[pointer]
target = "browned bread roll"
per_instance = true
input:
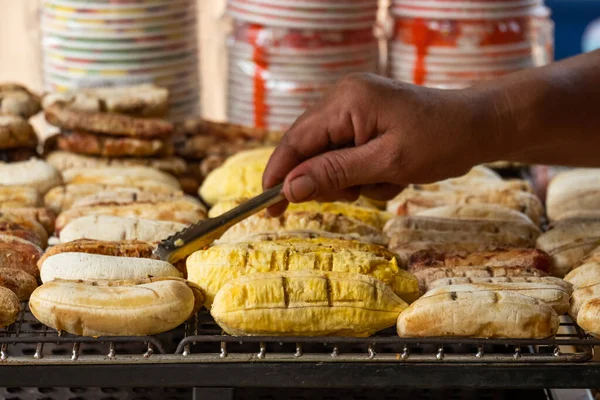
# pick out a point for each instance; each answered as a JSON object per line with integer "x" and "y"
{"x": 106, "y": 146}
{"x": 16, "y": 132}
{"x": 64, "y": 160}
{"x": 18, "y": 281}
{"x": 105, "y": 123}
{"x": 20, "y": 254}
{"x": 9, "y": 307}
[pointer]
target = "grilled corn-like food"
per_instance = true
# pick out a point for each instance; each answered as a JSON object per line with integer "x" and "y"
{"x": 306, "y": 303}
{"x": 214, "y": 267}
{"x": 369, "y": 216}
{"x": 125, "y": 308}
{"x": 240, "y": 176}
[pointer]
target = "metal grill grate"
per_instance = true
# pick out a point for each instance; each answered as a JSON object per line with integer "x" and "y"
{"x": 29, "y": 340}
{"x": 201, "y": 340}
{"x": 204, "y": 342}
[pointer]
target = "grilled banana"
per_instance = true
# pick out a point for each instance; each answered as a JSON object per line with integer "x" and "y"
{"x": 306, "y": 303}
{"x": 214, "y": 267}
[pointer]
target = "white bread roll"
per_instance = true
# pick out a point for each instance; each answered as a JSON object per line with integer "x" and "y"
{"x": 122, "y": 176}
{"x": 92, "y": 267}
{"x": 33, "y": 173}
{"x": 112, "y": 229}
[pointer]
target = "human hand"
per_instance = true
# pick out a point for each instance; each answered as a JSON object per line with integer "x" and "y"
{"x": 373, "y": 136}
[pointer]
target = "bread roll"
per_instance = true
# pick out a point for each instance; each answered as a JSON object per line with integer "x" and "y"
{"x": 43, "y": 216}
{"x": 408, "y": 235}
{"x": 529, "y": 258}
{"x": 15, "y": 131}
{"x": 15, "y": 99}
{"x": 138, "y": 101}
{"x": 63, "y": 197}
{"x": 9, "y": 307}
{"x": 60, "y": 115}
{"x": 576, "y": 190}
{"x": 306, "y": 303}
{"x": 114, "y": 308}
{"x": 122, "y": 176}
{"x": 185, "y": 210}
{"x": 568, "y": 242}
{"x": 299, "y": 221}
{"x": 478, "y": 212}
{"x": 106, "y": 146}
{"x": 474, "y": 184}
{"x": 411, "y": 201}
{"x": 549, "y": 280}
{"x": 19, "y": 254}
{"x": 480, "y": 314}
{"x": 580, "y": 296}
{"x": 407, "y": 229}
{"x": 64, "y": 160}
{"x": 366, "y": 215}
{"x": 109, "y": 228}
{"x": 92, "y": 267}
{"x": 552, "y": 295}
{"x": 587, "y": 318}
{"x": 428, "y": 275}
{"x": 214, "y": 267}
{"x": 18, "y": 281}
{"x": 33, "y": 173}
{"x": 24, "y": 227}
{"x": 585, "y": 275}
{"x": 130, "y": 196}
{"x": 19, "y": 196}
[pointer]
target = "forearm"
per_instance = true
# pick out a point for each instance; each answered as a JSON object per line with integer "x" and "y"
{"x": 546, "y": 115}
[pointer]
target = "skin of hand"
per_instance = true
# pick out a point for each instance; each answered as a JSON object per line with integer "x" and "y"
{"x": 374, "y": 136}
{"x": 371, "y": 135}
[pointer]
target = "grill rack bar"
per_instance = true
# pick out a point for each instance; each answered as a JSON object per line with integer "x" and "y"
{"x": 205, "y": 342}
{"x": 201, "y": 340}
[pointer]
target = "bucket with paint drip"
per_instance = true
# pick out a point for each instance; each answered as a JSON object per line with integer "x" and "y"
{"x": 284, "y": 54}
{"x": 454, "y": 43}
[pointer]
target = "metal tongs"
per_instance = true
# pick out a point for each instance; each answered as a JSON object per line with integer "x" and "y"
{"x": 201, "y": 235}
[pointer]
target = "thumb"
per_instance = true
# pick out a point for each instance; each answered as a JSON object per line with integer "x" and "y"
{"x": 335, "y": 175}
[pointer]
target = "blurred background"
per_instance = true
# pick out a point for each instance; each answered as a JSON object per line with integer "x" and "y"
{"x": 577, "y": 29}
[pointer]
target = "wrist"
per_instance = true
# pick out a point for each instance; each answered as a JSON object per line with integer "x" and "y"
{"x": 494, "y": 122}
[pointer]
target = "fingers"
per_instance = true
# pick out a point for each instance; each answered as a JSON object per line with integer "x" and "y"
{"x": 344, "y": 117}
{"x": 336, "y": 175}
{"x": 277, "y": 209}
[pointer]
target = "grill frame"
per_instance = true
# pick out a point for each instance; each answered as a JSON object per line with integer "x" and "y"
{"x": 178, "y": 359}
